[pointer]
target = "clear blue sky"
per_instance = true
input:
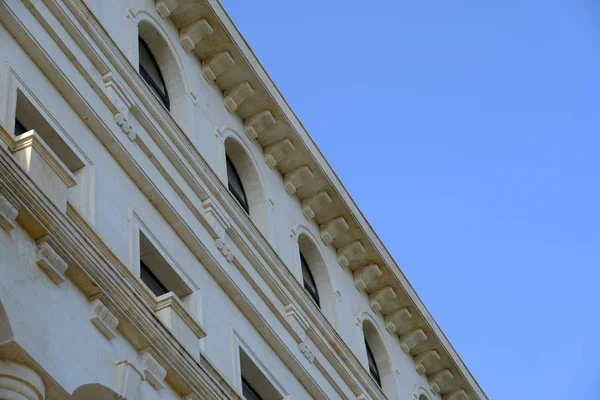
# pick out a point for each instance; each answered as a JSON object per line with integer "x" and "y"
{"x": 468, "y": 132}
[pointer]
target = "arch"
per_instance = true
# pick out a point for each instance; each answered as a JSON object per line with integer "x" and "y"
{"x": 420, "y": 393}
{"x": 252, "y": 181}
{"x": 169, "y": 63}
{"x": 374, "y": 339}
{"x": 307, "y": 248}
{"x": 94, "y": 391}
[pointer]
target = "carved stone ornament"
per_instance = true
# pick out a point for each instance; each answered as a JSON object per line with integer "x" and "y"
{"x": 411, "y": 339}
{"x": 297, "y": 321}
{"x": 190, "y": 35}
{"x": 125, "y": 126}
{"x": 312, "y": 205}
{"x": 215, "y": 219}
{"x": 277, "y": 151}
{"x": 424, "y": 359}
{"x": 50, "y": 262}
{"x": 224, "y": 249}
{"x": 305, "y": 350}
{"x": 437, "y": 381}
{"x": 364, "y": 275}
{"x": 459, "y": 394}
{"x": 129, "y": 379}
{"x": 349, "y": 253}
{"x": 395, "y": 320}
{"x": 235, "y": 96}
{"x": 216, "y": 65}
{"x": 258, "y": 123}
{"x": 329, "y": 230}
{"x": 380, "y": 297}
{"x": 103, "y": 319}
{"x": 153, "y": 371}
{"x": 8, "y": 214}
{"x": 164, "y": 8}
{"x": 297, "y": 178}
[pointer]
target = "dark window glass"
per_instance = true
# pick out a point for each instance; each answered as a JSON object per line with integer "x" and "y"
{"x": 372, "y": 364}
{"x": 235, "y": 185}
{"x": 249, "y": 392}
{"x": 151, "y": 280}
{"x": 151, "y": 73}
{"x": 19, "y": 128}
{"x": 309, "y": 281}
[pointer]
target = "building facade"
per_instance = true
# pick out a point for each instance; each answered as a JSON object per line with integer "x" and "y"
{"x": 171, "y": 231}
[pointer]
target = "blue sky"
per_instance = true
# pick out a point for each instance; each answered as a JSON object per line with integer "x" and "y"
{"x": 468, "y": 133}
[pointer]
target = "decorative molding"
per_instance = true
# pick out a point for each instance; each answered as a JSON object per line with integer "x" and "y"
{"x": 312, "y": 205}
{"x": 350, "y": 252}
{"x": 297, "y": 321}
{"x": 425, "y": 358}
{"x": 122, "y": 102}
{"x": 380, "y": 297}
{"x": 258, "y": 123}
{"x": 50, "y": 262}
{"x": 129, "y": 379}
{"x": 123, "y": 123}
{"x": 437, "y": 381}
{"x": 276, "y": 152}
{"x": 8, "y": 214}
{"x": 224, "y": 249}
{"x": 192, "y": 34}
{"x": 409, "y": 340}
{"x": 329, "y": 230}
{"x": 216, "y": 65}
{"x": 152, "y": 370}
{"x": 215, "y": 218}
{"x": 18, "y": 382}
{"x": 394, "y": 320}
{"x": 234, "y": 97}
{"x": 297, "y": 178}
{"x": 103, "y": 319}
{"x": 305, "y": 350}
{"x": 459, "y": 394}
{"x": 363, "y": 276}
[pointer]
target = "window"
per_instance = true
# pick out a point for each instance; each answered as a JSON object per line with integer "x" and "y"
{"x": 309, "y": 281}
{"x": 256, "y": 384}
{"x": 235, "y": 185}
{"x": 150, "y": 71}
{"x": 373, "y": 369}
{"x": 151, "y": 280}
{"x": 19, "y": 128}
{"x": 249, "y": 392}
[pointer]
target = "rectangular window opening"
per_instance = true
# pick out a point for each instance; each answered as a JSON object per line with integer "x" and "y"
{"x": 255, "y": 385}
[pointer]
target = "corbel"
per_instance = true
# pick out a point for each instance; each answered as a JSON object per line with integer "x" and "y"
{"x": 380, "y": 297}
{"x": 192, "y": 34}
{"x": 216, "y": 65}
{"x": 329, "y": 230}
{"x": 258, "y": 123}
{"x": 50, "y": 262}
{"x": 122, "y": 102}
{"x": 276, "y": 152}
{"x": 8, "y": 214}
{"x": 349, "y": 253}
{"x": 297, "y": 178}
{"x": 215, "y": 219}
{"x": 395, "y": 320}
{"x": 164, "y": 8}
{"x": 422, "y": 360}
{"x": 153, "y": 372}
{"x": 409, "y": 340}
{"x": 363, "y": 276}
{"x": 459, "y": 394}
{"x": 439, "y": 379}
{"x": 103, "y": 318}
{"x": 129, "y": 379}
{"x": 311, "y": 205}
{"x": 235, "y": 96}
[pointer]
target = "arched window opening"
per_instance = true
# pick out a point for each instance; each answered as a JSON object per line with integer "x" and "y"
{"x": 235, "y": 185}
{"x": 150, "y": 71}
{"x": 309, "y": 281}
{"x": 373, "y": 369}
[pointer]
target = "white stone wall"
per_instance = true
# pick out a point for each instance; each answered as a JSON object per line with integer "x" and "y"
{"x": 127, "y": 188}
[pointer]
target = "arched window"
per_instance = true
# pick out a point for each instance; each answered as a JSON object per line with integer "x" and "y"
{"x": 309, "y": 281}
{"x": 235, "y": 185}
{"x": 373, "y": 369}
{"x": 150, "y": 71}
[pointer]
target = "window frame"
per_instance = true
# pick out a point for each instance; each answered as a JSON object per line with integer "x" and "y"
{"x": 314, "y": 294}
{"x": 373, "y": 367}
{"x": 164, "y": 98}
{"x": 243, "y": 198}
{"x": 246, "y": 384}
{"x": 146, "y": 273}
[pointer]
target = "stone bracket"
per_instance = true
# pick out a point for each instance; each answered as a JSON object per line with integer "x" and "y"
{"x": 193, "y": 33}
{"x": 380, "y": 297}
{"x": 235, "y": 96}
{"x": 311, "y": 205}
{"x": 422, "y": 360}
{"x": 129, "y": 379}
{"x": 216, "y": 65}
{"x": 394, "y": 320}
{"x": 216, "y": 220}
{"x": 8, "y": 214}
{"x": 276, "y": 152}
{"x": 329, "y": 230}
{"x": 409, "y": 340}
{"x": 297, "y": 321}
{"x": 349, "y": 253}
{"x": 164, "y": 8}
{"x": 103, "y": 319}
{"x": 363, "y": 276}
{"x": 258, "y": 123}
{"x": 297, "y": 178}
{"x": 153, "y": 372}
{"x": 436, "y": 382}
{"x": 459, "y": 394}
{"x": 50, "y": 262}
{"x": 122, "y": 102}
